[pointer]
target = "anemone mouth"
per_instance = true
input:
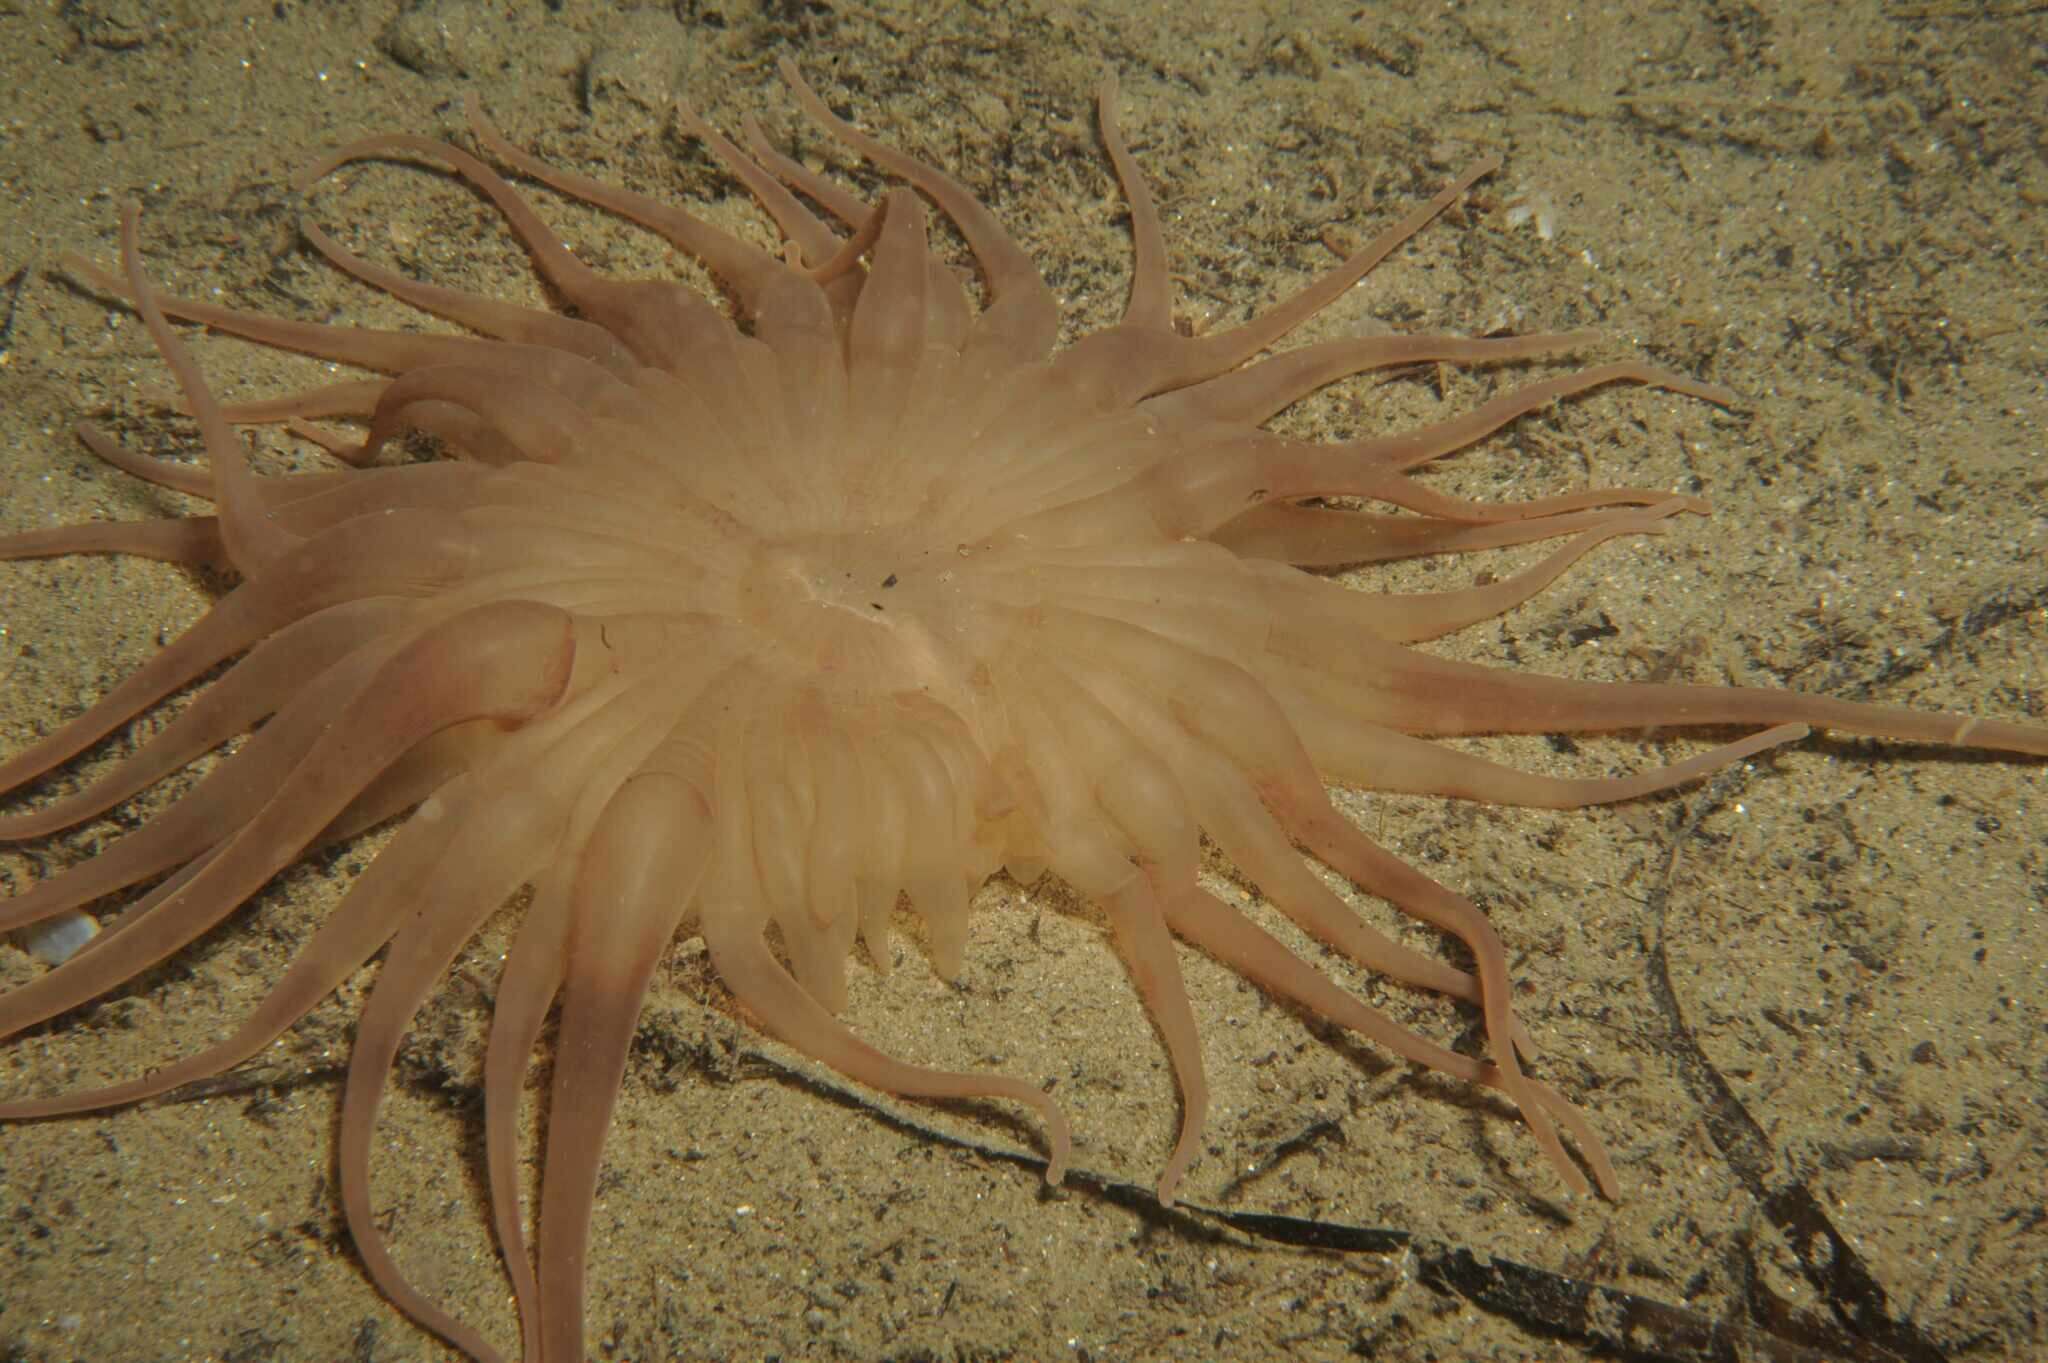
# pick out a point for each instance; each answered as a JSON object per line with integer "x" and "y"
{"x": 756, "y": 631}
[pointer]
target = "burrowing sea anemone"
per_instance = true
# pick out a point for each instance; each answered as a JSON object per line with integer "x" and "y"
{"x": 758, "y": 623}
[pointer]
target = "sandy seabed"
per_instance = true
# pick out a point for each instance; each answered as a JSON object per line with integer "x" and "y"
{"x": 1801, "y": 1003}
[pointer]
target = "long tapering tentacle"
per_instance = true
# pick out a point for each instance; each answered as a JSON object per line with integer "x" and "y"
{"x": 758, "y": 980}
{"x": 507, "y": 661}
{"x": 639, "y": 873}
{"x": 399, "y": 553}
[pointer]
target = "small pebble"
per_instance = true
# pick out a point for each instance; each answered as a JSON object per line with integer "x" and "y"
{"x": 642, "y": 61}
{"x": 56, "y": 940}
{"x": 444, "y": 37}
